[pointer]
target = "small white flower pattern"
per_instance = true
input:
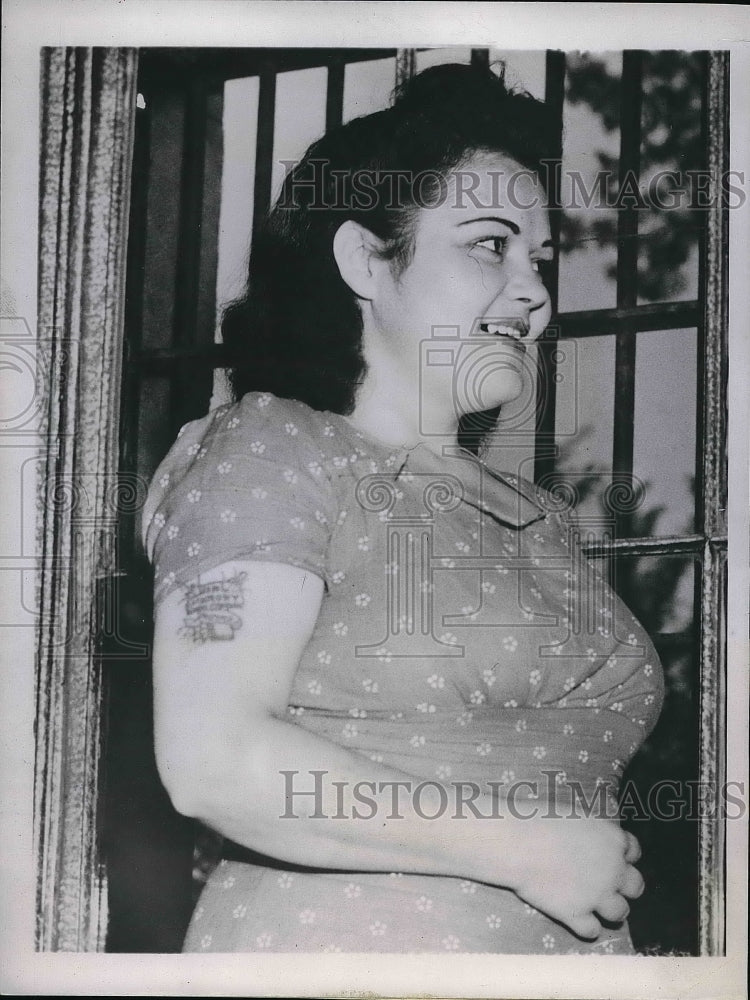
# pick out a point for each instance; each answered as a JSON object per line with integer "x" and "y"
{"x": 261, "y": 447}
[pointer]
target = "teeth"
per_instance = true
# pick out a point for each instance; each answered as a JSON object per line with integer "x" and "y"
{"x": 500, "y": 329}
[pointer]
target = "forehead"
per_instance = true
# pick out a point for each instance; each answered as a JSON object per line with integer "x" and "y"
{"x": 491, "y": 184}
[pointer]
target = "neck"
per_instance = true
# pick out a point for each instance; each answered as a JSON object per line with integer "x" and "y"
{"x": 390, "y": 412}
{"x": 384, "y": 424}
{"x": 393, "y": 407}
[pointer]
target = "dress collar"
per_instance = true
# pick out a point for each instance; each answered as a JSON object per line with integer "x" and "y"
{"x": 513, "y": 502}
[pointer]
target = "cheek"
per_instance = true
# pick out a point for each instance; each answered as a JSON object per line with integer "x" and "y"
{"x": 472, "y": 286}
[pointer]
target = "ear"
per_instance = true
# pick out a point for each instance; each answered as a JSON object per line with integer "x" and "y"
{"x": 356, "y": 251}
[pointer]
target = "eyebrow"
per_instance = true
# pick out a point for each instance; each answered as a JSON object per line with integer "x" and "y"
{"x": 553, "y": 244}
{"x": 493, "y": 218}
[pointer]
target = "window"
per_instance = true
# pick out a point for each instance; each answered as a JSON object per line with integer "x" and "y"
{"x": 630, "y": 394}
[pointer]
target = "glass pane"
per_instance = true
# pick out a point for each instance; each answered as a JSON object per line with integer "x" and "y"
{"x": 368, "y": 87}
{"x": 240, "y": 126}
{"x": 671, "y": 144}
{"x": 664, "y": 432}
{"x": 659, "y": 590}
{"x": 523, "y": 70}
{"x": 584, "y": 424}
{"x": 448, "y": 54}
{"x": 591, "y": 143}
{"x": 300, "y": 117}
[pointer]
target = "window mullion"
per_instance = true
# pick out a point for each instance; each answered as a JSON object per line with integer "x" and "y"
{"x": 264, "y": 148}
{"x": 627, "y": 278}
{"x": 335, "y": 94}
{"x": 654, "y": 316}
{"x": 554, "y": 95}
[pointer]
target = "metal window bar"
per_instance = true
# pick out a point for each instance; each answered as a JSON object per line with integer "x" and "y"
{"x": 544, "y": 457}
{"x": 708, "y": 314}
{"x": 264, "y": 148}
{"x": 406, "y": 63}
{"x": 480, "y": 57}
{"x": 627, "y": 279}
{"x": 335, "y": 93}
{"x": 185, "y": 315}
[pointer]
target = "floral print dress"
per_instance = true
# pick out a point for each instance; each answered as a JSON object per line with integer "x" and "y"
{"x": 462, "y": 637}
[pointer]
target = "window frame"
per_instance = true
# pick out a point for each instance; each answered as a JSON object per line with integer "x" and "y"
{"x": 708, "y": 313}
{"x": 72, "y": 910}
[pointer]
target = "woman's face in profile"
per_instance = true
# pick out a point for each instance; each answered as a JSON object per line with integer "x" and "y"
{"x": 474, "y": 274}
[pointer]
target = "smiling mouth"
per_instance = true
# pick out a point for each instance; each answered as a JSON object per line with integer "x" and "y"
{"x": 513, "y": 330}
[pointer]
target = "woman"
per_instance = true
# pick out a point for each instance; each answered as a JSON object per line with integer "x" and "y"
{"x": 370, "y": 675}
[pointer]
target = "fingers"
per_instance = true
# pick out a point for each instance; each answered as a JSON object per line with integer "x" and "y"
{"x": 632, "y": 883}
{"x": 585, "y": 927}
{"x": 615, "y": 909}
{"x": 632, "y": 848}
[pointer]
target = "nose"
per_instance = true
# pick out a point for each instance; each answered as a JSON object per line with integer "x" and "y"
{"x": 525, "y": 286}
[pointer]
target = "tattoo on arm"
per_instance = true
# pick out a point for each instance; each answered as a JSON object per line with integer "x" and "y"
{"x": 211, "y": 609}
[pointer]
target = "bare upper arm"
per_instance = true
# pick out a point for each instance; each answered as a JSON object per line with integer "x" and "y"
{"x": 226, "y": 649}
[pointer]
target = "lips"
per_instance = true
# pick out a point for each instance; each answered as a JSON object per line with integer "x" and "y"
{"x": 511, "y": 329}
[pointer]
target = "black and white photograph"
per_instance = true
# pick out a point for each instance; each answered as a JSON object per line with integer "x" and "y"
{"x": 374, "y": 433}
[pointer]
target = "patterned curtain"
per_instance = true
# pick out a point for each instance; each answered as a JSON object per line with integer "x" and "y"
{"x": 87, "y": 116}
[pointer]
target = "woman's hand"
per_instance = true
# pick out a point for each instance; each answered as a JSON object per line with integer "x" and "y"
{"x": 575, "y": 870}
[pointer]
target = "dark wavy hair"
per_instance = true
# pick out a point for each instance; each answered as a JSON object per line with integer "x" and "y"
{"x": 297, "y": 332}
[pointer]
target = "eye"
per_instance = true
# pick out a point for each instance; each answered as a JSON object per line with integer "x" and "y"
{"x": 495, "y": 244}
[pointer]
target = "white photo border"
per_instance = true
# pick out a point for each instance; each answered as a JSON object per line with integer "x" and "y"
{"x": 31, "y": 24}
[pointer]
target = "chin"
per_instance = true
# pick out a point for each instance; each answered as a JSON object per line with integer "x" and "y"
{"x": 495, "y": 390}
{"x": 486, "y": 378}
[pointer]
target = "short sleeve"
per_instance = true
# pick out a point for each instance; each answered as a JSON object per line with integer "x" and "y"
{"x": 248, "y": 481}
